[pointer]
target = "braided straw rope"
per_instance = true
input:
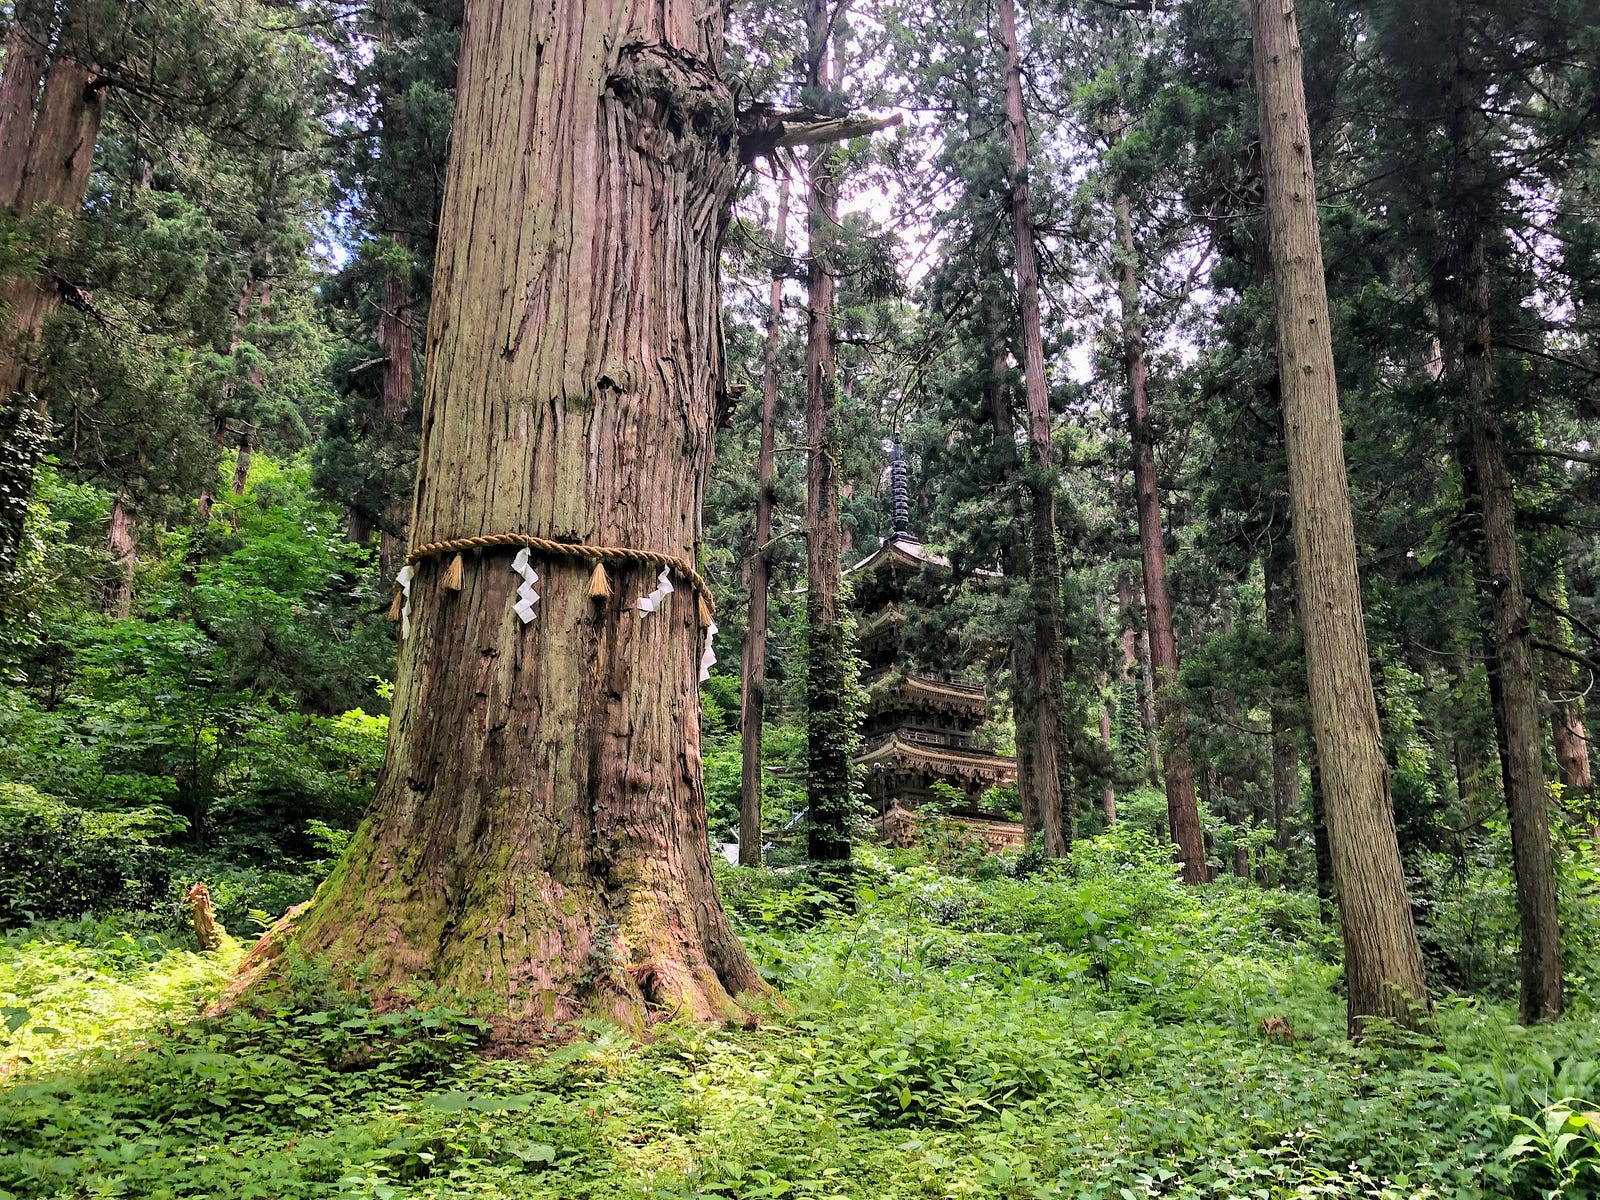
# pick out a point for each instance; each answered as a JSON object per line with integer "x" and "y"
{"x": 578, "y": 550}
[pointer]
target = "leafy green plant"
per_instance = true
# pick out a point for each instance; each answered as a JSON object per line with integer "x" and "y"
{"x": 1557, "y": 1150}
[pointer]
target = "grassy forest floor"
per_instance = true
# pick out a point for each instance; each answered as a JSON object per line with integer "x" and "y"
{"x": 1098, "y": 1031}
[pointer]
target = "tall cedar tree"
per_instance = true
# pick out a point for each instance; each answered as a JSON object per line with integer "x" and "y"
{"x": 538, "y": 841}
{"x": 1044, "y": 679}
{"x": 1383, "y": 961}
{"x": 1183, "y": 811}
{"x": 753, "y": 665}
{"x": 830, "y": 718}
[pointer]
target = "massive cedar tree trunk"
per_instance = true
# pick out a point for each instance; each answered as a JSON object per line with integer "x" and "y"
{"x": 754, "y": 665}
{"x": 1511, "y": 661}
{"x": 830, "y": 722}
{"x": 20, "y": 78}
{"x": 1383, "y": 962}
{"x": 47, "y": 137}
{"x": 1044, "y": 570}
{"x": 1285, "y": 751}
{"x": 537, "y": 845}
{"x": 1183, "y": 812}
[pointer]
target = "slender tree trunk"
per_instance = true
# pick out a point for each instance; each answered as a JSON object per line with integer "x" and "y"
{"x": 1327, "y": 898}
{"x": 754, "y": 666}
{"x": 1512, "y": 665}
{"x": 1285, "y": 749}
{"x": 1563, "y": 692}
{"x": 1183, "y": 813}
{"x": 537, "y": 846}
{"x": 247, "y": 439}
{"x": 222, "y": 424}
{"x": 1015, "y": 559}
{"x": 241, "y": 464}
{"x": 1044, "y": 573}
{"x": 830, "y": 724}
{"x": 1383, "y": 961}
{"x": 122, "y": 543}
{"x": 60, "y": 133}
{"x": 1108, "y": 794}
{"x": 1474, "y": 774}
{"x": 1136, "y": 668}
{"x": 394, "y": 341}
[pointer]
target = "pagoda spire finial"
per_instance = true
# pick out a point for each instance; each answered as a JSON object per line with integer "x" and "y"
{"x": 899, "y": 492}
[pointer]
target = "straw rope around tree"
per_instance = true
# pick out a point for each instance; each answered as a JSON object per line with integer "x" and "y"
{"x": 599, "y": 583}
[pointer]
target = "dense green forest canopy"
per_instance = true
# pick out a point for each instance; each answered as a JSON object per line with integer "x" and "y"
{"x": 1241, "y": 366}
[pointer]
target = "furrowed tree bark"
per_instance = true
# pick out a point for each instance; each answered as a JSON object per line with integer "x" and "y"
{"x": 59, "y": 130}
{"x": 19, "y": 85}
{"x": 537, "y": 844}
{"x": 830, "y": 723}
{"x": 1183, "y": 811}
{"x": 754, "y": 666}
{"x": 1044, "y": 571}
{"x": 1383, "y": 962}
{"x": 1512, "y": 664}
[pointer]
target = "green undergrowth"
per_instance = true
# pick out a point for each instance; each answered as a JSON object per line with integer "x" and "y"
{"x": 1095, "y": 1032}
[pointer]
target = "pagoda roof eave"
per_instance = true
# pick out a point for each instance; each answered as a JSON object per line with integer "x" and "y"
{"x": 896, "y": 749}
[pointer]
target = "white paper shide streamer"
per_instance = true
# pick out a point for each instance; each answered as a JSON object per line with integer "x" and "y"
{"x": 526, "y": 596}
{"x": 709, "y": 658}
{"x": 654, "y": 601}
{"x": 404, "y": 580}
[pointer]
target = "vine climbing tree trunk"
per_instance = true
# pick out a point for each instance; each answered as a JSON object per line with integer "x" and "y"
{"x": 1183, "y": 810}
{"x": 1383, "y": 961}
{"x": 754, "y": 665}
{"x": 830, "y": 717}
{"x": 537, "y": 844}
{"x": 1044, "y": 571}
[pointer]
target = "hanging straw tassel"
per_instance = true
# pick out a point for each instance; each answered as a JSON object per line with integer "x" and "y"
{"x": 394, "y": 608}
{"x": 599, "y": 584}
{"x": 705, "y": 612}
{"x": 452, "y": 575}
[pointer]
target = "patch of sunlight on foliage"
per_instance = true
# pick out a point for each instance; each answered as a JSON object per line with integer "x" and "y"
{"x": 1059, "y": 1032}
{"x": 71, "y": 986}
